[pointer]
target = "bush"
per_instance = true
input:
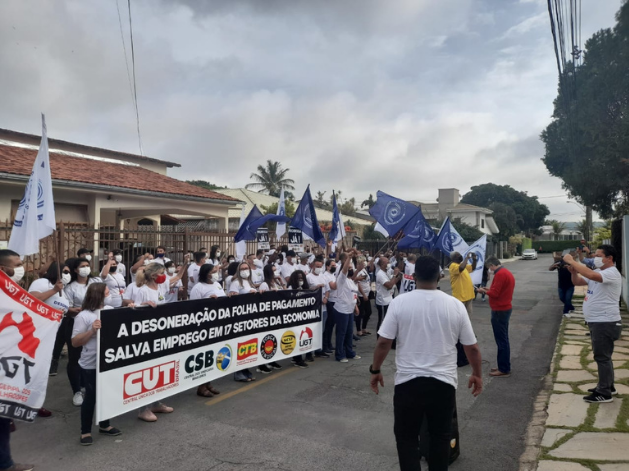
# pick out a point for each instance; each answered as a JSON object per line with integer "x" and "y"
{"x": 506, "y": 255}
{"x": 549, "y": 246}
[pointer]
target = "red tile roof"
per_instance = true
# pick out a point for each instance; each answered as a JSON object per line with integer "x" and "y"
{"x": 19, "y": 161}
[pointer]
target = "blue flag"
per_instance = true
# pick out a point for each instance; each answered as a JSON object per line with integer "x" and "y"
{"x": 249, "y": 227}
{"x": 418, "y": 234}
{"x": 392, "y": 213}
{"x": 334, "y": 231}
{"x": 306, "y": 219}
{"x": 449, "y": 240}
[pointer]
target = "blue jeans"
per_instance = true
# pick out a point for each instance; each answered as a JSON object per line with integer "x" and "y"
{"x": 565, "y": 295}
{"x": 329, "y": 327}
{"x": 344, "y": 336}
{"x": 500, "y": 324}
{"x": 5, "y": 447}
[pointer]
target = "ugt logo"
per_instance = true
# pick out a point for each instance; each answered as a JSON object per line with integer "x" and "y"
{"x": 305, "y": 339}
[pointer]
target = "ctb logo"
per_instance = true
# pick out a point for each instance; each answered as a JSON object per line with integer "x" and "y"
{"x": 247, "y": 349}
{"x": 149, "y": 379}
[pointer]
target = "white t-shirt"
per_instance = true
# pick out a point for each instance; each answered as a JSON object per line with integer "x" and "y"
{"x": 315, "y": 280}
{"x": 83, "y": 323}
{"x": 172, "y": 295}
{"x": 144, "y": 294}
{"x": 304, "y": 268}
{"x": 601, "y": 301}
{"x": 122, "y": 269}
{"x": 115, "y": 283}
{"x": 365, "y": 284}
{"x": 287, "y": 270}
{"x": 384, "y": 296}
{"x": 130, "y": 292}
{"x": 257, "y": 276}
{"x": 264, "y": 286}
{"x": 258, "y": 263}
{"x": 427, "y": 325}
{"x": 55, "y": 301}
{"x": 161, "y": 260}
{"x": 75, "y": 291}
{"x": 346, "y": 294}
{"x": 409, "y": 269}
{"x": 193, "y": 276}
{"x": 207, "y": 290}
{"x": 329, "y": 277}
{"x": 235, "y": 287}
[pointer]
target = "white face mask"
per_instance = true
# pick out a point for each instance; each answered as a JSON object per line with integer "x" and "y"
{"x": 18, "y": 274}
{"x": 215, "y": 276}
{"x": 218, "y": 254}
{"x": 88, "y": 257}
{"x": 244, "y": 274}
{"x": 66, "y": 277}
{"x": 147, "y": 261}
{"x": 171, "y": 270}
{"x": 118, "y": 258}
{"x": 318, "y": 270}
{"x": 388, "y": 266}
{"x": 300, "y": 283}
{"x": 84, "y": 272}
{"x": 598, "y": 262}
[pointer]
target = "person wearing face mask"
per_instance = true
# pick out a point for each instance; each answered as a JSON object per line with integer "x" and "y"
{"x": 241, "y": 284}
{"x": 86, "y": 254}
{"x": 298, "y": 281}
{"x": 60, "y": 340}
{"x": 11, "y": 264}
{"x": 303, "y": 263}
{"x": 208, "y": 285}
{"x": 384, "y": 287}
{"x": 114, "y": 281}
{"x": 272, "y": 282}
{"x": 86, "y": 324}
{"x": 230, "y": 273}
{"x": 152, "y": 289}
{"x": 122, "y": 269}
{"x": 330, "y": 278}
{"x": 500, "y": 296}
{"x": 258, "y": 261}
{"x": 316, "y": 279}
{"x": 173, "y": 278}
{"x": 193, "y": 269}
{"x": 217, "y": 258}
{"x": 288, "y": 267}
{"x": 346, "y": 308}
{"x": 602, "y": 313}
{"x": 257, "y": 276}
{"x": 81, "y": 279}
{"x": 160, "y": 255}
{"x": 140, "y": 261}
{"x": 364, "y": 303}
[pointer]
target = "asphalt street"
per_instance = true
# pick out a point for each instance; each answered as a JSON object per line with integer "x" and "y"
{"x": 321, "y": 418}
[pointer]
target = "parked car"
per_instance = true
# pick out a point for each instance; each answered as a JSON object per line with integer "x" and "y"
{"x": 529, "y": 254}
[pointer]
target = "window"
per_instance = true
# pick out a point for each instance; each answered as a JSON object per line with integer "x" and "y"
{"x": 482, "y": 224}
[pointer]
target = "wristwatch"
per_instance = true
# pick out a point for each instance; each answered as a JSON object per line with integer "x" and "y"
{"x": 373, "y": 372}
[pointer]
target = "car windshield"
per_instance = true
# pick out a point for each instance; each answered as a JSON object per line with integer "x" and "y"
{"x": 529, "y": 251}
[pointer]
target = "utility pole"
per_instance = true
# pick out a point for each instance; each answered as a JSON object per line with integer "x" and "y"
{"x": 588, "y": 223}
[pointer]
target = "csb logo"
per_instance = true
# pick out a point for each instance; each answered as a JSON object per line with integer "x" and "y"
{"x": 268, "y": 347}
{"x": 289, "y": 340}
{"x": 149, "y": 379}
{"x": 247, "y": 349}
{"x": 224, "y": 358}
{"x": 305, "y": 339}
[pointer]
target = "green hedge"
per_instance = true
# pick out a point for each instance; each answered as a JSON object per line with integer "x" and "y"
{"x": 527, "y": 243}
{"x": 549, "y": 246}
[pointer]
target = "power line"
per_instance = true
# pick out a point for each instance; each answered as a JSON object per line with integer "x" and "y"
{"x": 124, "y": 48}
{"x": 135, "y": 87}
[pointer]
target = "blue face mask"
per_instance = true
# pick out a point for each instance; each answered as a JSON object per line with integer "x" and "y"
{"x": 160, "y": 255}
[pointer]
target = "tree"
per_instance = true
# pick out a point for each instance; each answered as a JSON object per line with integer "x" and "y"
{"x": 369, "y": 233}
{"x": 289, "y": 207}
{"x": 582, "y": 227}
{"x": 271, "y": 179}
{"x": 469, "y": 233}
{"x": 558, "y": 228}
{"x": 513, "y": 210}
{"x": 205, "y": 184}
{"x": 348, "y": 207}
{"x": 603, "y": 233}
{"x": 320, "y": 200}
{"x": 368, "y": 202}
{"x": 586, "y": 144}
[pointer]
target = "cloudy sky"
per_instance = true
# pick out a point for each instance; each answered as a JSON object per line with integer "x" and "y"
{"x": 404, "y": 96}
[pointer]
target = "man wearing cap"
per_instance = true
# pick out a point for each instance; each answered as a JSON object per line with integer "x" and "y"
{"x": 85, "y": 253}
{"x": 303, "y": 265}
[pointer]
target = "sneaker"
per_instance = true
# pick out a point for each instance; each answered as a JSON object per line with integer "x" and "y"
{"x": 595, "y": 397}
{"x": 356, "y": 337}
{"x": 614, "y": 392}
{"x": 54, "y": 365}
{"x": 263, "y": 369}
{"x": 301, "y": 364}
{"x": 484, "y": 299}
{"x": 112, "y": 432}
{"x": 147, "y": 416}
{"x": 275, "y": 365}
{"x": 309, "y": 357}
{"x": 567, "y": 315}
{"x": 344, "y": 360}
{"x": 162, "y": 409}
{"x": 293, "y": 360}
{"x": 356, "y": 357}
{"x": 43, "y": 412}
{"x": 77, "y": 399}
{"x": 85, "y": 441}
{"x": 20, "y": 467}
{"x": 328, "y": 352}
{"x": 322, "y": 355}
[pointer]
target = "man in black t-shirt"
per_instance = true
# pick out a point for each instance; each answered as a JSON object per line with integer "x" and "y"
{"x": 565, "y": 286}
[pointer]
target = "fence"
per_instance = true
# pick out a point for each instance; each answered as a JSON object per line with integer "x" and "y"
{"x": 177, "y": 240}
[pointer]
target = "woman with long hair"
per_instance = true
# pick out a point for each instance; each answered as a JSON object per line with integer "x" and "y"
{"x": 114, "y": 281}
{"x": 242, "y": 284}
{"x": 152, "y": 290}
{"x": 86, "y": 324}
{"x": 298, "y": 281}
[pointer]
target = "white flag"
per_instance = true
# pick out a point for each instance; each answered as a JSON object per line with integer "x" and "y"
{"x": 241, "y": 247}
{"x": 35, "y": 218}
{"x": 281, "y": 211}
{"x": 479, "y": 248}
{"x": 381, "y": 230}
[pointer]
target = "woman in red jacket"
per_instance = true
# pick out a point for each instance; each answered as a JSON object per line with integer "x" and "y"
{"x": 500, "y": 296}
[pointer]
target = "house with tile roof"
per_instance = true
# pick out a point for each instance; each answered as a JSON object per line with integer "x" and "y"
{"x": 103, "y": 187}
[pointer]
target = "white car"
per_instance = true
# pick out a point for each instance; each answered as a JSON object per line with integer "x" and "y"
{"x": 529, "y": 254}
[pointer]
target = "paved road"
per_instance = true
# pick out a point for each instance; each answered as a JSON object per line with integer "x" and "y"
{"x": 322, "y": 418}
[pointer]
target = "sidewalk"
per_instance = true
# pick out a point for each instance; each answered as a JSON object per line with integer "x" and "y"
{"x": 566, "y": 433}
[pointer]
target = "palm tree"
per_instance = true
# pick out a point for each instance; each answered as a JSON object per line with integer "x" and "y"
{"x": 271, "y": 179}
{"x": 558, "y": 228}
{"x": 368, "y": 202}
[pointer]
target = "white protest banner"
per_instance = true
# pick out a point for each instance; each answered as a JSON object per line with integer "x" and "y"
{"x": 262, "y": 235}
{"x": 28, "y": 329}
{"x": 408, "y": 284}
{"x": 148, "y": 354}
{"x": 295, "y": 240}
{"x": 479, "y": 248}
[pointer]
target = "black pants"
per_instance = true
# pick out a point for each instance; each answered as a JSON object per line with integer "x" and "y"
{"x": 411, "y": 401}
{"x": 5, "y": 443}
{"x": 89, "y": 402}
{"x": 382, "y": 312}
{"x": 604, "y": 334}
{"x": 365, "y": 313}
{"x": 329, "y": 327}
{"x": 64, "y": 336}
